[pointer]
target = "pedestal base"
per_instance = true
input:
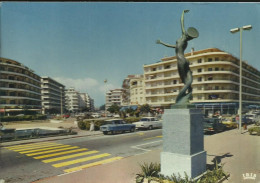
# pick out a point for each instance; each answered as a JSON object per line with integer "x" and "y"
{"x": 194, "y": 165}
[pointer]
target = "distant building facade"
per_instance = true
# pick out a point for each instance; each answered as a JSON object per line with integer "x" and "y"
{"x": 20, "y": 88}
{"x": 114, "y": 97}
{"x": 215, "y": 82}
{"x": 126, "y": 86}
{"x": 53, "y": 96}
{"x": 137, "y": 90}
{"x": 86, "y": 102}
{"x": 72, "y": 100}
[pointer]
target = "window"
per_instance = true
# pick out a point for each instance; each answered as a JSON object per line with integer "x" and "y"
{"x": 174, "y": 81}
{"x": 209, "y": 59}
{"x": 154, "y": 69}
{"x": 216, "y": 69}
{"x": 199, "y": 70}
{"x": 199, "y": 60}
{"x": 209, "y": 69}
{"x": 216, "y": 59}
{"x": 200, "y": 79}
{"x": 167, "y": 67}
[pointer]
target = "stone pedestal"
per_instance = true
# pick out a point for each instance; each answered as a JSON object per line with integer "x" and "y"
{"x": 183, "y": 143}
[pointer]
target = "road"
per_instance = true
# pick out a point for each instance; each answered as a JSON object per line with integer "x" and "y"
{"x": 30, "y": 162}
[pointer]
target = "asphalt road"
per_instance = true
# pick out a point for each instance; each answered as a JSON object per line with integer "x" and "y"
{"x": 30, "y": 162}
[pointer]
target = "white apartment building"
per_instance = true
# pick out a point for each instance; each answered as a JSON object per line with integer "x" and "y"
{"x": 72, "y": 100}
{"x": 215, "y": 82}
{"x": 86, "y": 102}
{"x": 137, "y": 90}
{"x": 20, "y": 88}
{"x": 114, "y": 97}
{"x": 53, "y": 96}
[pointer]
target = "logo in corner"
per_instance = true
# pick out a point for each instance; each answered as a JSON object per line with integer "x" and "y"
{"x": 249, "y": 176}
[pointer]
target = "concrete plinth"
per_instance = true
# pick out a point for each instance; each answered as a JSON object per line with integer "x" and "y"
{"x": 183, "y": 143}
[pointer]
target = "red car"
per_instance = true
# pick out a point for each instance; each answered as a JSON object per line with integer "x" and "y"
{"x": 66, "y": 116}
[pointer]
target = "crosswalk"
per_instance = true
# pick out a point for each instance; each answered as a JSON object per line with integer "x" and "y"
{"x": 73, "y": 158}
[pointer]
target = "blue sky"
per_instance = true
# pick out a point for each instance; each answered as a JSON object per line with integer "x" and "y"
{"x": 81, "y": 44}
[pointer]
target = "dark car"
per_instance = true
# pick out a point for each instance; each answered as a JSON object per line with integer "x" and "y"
{"x": 213, "y": 125}
{"x": 116, "y": 126}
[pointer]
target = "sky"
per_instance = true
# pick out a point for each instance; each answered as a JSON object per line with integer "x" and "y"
{"x": 80, "y": 44}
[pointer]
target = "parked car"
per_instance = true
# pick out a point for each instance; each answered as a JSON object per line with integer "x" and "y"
{"x": 66, "y": 116}
{"x": 148, "y": 123}
{"x": 213, "y": 125}
{"x": 95, "y": 115}
{"x": 115, "y": 126}
{"x": 116, "y": 116}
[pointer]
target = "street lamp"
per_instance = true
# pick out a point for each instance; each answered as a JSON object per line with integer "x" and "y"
{"x": 246, "y": 27}
{"x": 61, "y": 101}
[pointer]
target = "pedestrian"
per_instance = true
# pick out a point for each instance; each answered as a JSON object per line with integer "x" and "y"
{"x": 237, "y": 121}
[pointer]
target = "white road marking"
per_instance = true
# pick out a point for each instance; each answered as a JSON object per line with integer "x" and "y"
{"x": 139, "y": 148}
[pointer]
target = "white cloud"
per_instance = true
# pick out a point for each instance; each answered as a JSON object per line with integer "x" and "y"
{"x": 94, "y": 88}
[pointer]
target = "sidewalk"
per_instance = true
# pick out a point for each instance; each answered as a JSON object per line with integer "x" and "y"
{"x": 239, "y": 153}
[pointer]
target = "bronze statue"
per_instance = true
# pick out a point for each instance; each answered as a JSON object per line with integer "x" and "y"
{"x": 185, "y": 73}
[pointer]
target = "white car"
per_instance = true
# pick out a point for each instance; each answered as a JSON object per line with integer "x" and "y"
{"x": 148, "y": 123}
{"x": 95, "y": 115}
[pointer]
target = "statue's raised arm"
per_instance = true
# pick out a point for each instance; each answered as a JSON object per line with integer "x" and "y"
{"x": 182, "y": 21}
{"x": 167, "y": 45}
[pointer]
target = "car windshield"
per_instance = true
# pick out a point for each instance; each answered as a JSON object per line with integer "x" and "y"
{"x": 144, "y": 119}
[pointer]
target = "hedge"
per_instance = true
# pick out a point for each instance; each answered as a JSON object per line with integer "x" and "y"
{"x": 132, "y": 119}
{"x": 254, "y": 130}
{"x": 23, "y": 118}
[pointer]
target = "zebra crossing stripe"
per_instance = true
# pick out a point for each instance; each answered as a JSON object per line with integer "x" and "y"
{"x": 92, "y": 164}
{"x": 50, "y": 151}
{"x": 34, "y": 147}
{"x": 28, "y": 145}
{"x": 47, "y": 148}
{"x": 69, "y": 156}
{"x": 80, "y": 160}
{"x": 60, "y": 153}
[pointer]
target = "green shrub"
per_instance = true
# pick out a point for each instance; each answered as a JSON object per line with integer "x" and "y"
{"x": 82, "y": 125}
{"x": 152, "y": 172}
{"x": 23, "y": 118}
{"x": 148, "y": 171}
{"x": 254, "y": 130}
{"x": 132, "y": 119}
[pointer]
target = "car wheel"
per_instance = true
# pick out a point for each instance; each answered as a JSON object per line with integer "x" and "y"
{"x": 132, "y": 129}
{"x": 105, "y": 133}
{"x": 150, "y": 127}
{"x": 113, "y": 132}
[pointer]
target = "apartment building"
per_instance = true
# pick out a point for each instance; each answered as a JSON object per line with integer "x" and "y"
{"x": 215, "y": 81}
{"x": 53, "y": 96}
{"x": 72, "y": 100}
{"x": 127, "y": 95}
{"x": 114, "y": 97}
{"x": 20, "y": 88}
{"x": 86, "y": 102}
{"x": 137, "y": 90}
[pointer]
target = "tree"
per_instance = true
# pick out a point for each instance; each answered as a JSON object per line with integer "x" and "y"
{"x": 145, "y": 108}
{"x": 114, "y": 108}
{"x": 102, "y": 107}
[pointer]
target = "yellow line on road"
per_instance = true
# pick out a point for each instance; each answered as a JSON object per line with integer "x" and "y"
{"x": 152, "y": 138}
{"x": 28, "y": 146}
{"x": 35, "y": 147}
{"x": 92, "y": 164}
{"x": 55, "y": 150}
{"x": 43, "y": 149}
{"x": 60, "y": 153}
{"x": 69, "y": 156}
{"x": 80, "y": 160}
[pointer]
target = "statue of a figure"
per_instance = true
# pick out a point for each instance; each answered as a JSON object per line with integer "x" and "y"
{"x": 185, "y": 73}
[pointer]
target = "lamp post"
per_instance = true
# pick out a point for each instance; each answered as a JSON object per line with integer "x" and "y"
{"x": 246, "y": 27}
{"x": 105, "y": 81}
{"x": 61, "y": 101}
